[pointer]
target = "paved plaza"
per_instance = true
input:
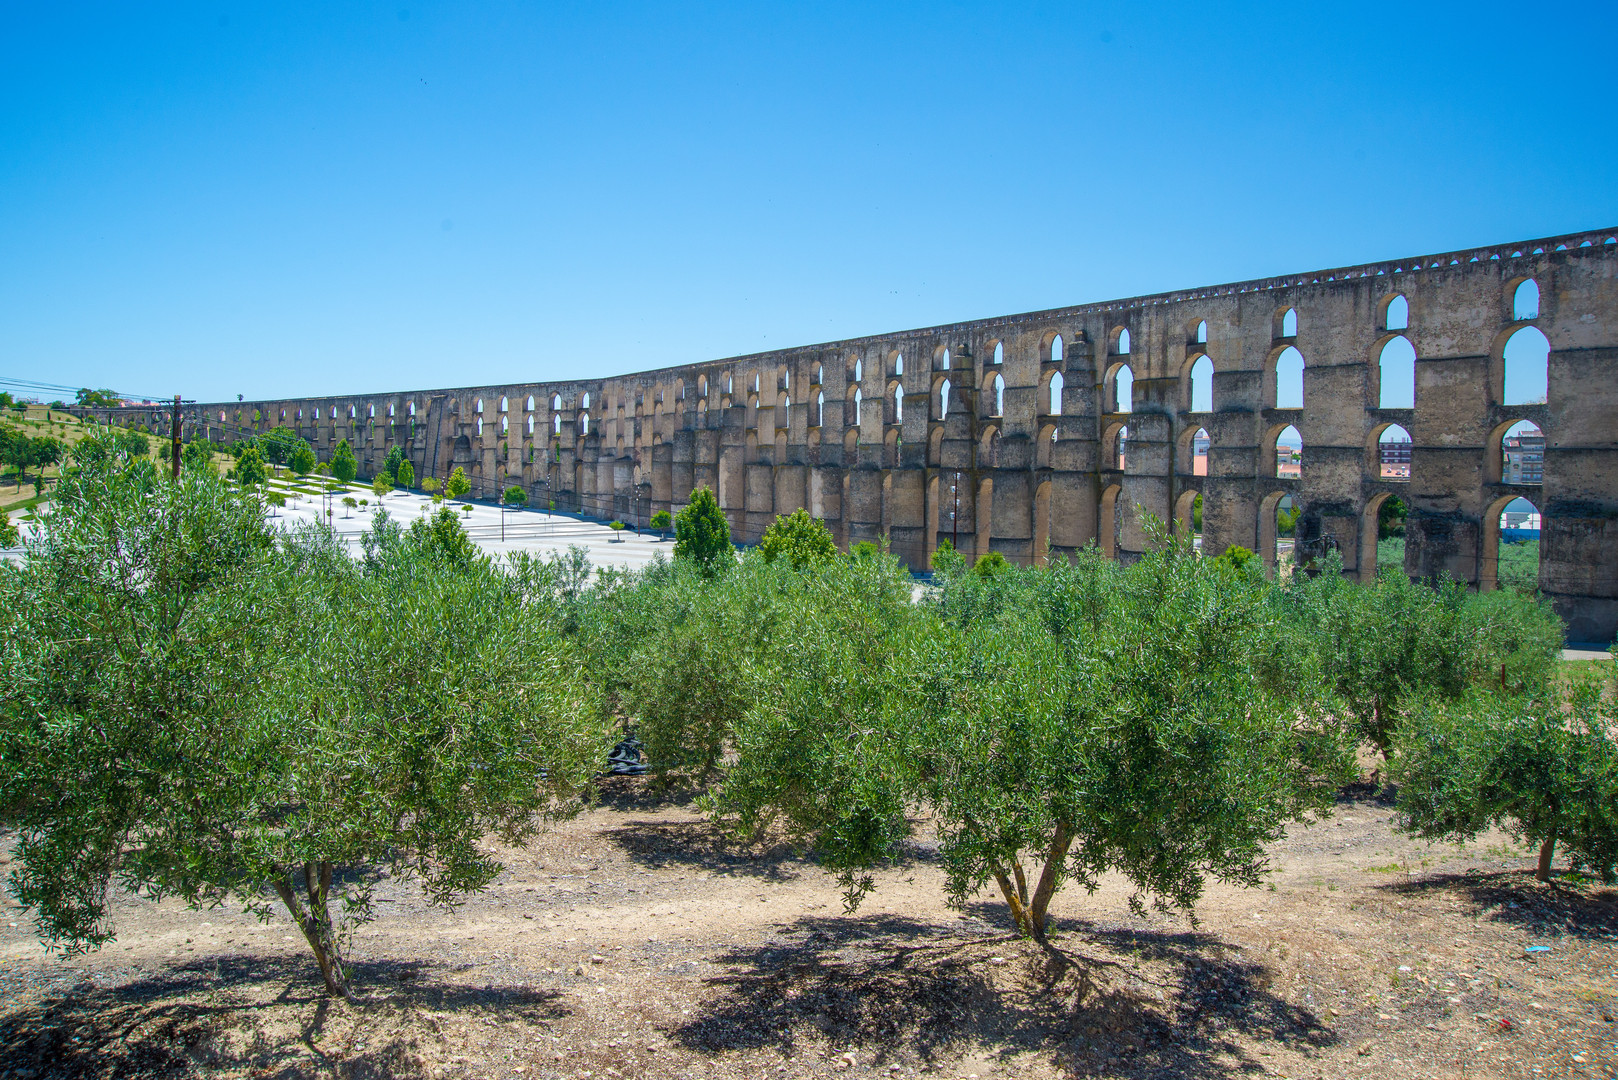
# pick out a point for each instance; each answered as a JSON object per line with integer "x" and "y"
{"x": 497, "y": 531}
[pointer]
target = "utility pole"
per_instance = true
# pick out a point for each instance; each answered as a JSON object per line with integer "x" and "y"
{"x": 174, "y": 431}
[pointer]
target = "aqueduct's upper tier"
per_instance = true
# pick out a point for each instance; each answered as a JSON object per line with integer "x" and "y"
{"x": 1058, "y": 428}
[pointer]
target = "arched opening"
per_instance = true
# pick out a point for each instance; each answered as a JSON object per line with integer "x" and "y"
{"x": 997, "y": 397}
{"x": 1120, "y": 394}
{"x": 584, "y": 403}
{"x": 1202, "y": 385}
{"x": 505, "y": 425}
{"x": 943, "y": 400}
{"x": 702, "y": 412}
{"x": 1055, "y": 398}
{"x": 1120, "y": 448}
{"x": 1289, "y": 379}
{"x": 898, "y": 363}
{"x": 1525, "y": 301}
{"x": 820, "y": 408}
{"x": 478, "y": 408}
{"x": 730, "y": 383}
{"x": 1522, "y": 454}
{"x": 1289, "y": 454}
{"x": 1045, "y": 446}
{"x": 1109, "y": 521}
{"x": 1396, "y": 313}
{"x": 1393, "y": 448}
{"x": 556, "y": 424}
{"x": 1042, "y": 523}
{"x": 898, "y": 404}
{"x": 1188, "y": 516}
{"x": 1200, "y": 442}
{"x": 941, "y": 358}
{"x": 819, "y": 373}
{"x": 1289, "y": 323}
{"x": 1120, "y": 342}
{"x": 584, "y": 423}
{"x": 989, "y": 448}
{"x": 1053, "y": 349}
{"x": 1396, "y": 374}
{"x": 530, "y": 425}
{"x": 859, "y": 370}
{"x": 1511, "y": 534}
{"x": 1527, "y": 367}
{"x": 702, "y": 386}
{"x": 890, "y": 449}
{"x": 1277, "y": 522}
{"x": 1202, "y": 332}
{"x": 999, "y": 353}
{"x": 530, "y": 406}
{"x": 505, "y": 405}
{"x": 480, "y": 426}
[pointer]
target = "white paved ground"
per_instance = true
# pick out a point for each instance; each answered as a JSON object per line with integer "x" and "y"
{"x": 524, "y": 530}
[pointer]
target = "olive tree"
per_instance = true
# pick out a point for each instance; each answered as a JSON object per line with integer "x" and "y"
{"x": 1155, "y": 720}
{"x": 1543, "y": 766}
{"x": 199, "y": 708}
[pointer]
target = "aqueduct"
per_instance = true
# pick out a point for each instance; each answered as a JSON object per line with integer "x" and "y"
{"x": 1048, "y": 430}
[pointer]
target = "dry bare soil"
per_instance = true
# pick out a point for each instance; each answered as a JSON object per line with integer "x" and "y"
{"x": 633, "y": 941}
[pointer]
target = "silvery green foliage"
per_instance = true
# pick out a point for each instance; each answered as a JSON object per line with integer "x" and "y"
{"x": 1155, "y": 720}
{"x": 199, "y": 707}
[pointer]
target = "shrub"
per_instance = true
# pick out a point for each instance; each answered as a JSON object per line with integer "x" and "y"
{"x": 616, "y": 526}
{"x": 798, "y": 538}
{"x": 662, "y": 521}
{"x": 515, "y": 496}
{"x": 406, "y": 474}
{"x": 458, "y": 485}
{"x": 702, "y": 535}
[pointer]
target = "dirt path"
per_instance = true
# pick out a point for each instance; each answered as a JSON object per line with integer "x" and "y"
{"x": 633, "y": 942}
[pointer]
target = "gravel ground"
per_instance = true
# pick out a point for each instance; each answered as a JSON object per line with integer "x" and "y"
{"x": 633, "y": 941}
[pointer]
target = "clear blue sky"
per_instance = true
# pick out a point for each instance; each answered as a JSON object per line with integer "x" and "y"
{"x": 289, "y": 199}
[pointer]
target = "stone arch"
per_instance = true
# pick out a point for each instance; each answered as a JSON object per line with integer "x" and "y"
{"x": 819, "y": 417}
{"x": 1118, "y": 388}
{"x": 1393, "y": 313}
{"x": 1109, "y": 520}
{"x": 1283, "y": 378}
{"x": 1051, "y": 394}
{"x": 1050, "y": 348}
{"x": 1519, "y": 366}
{"x": 851, "y": 447}
{"x": 941, "y": 392}
{"x": 1185, "y": 512}
{"x": 1368, "y": 536}
{"x": 1196, "y": 382}
{"x": 702, "y": 387}
{"x": 896, "y": 362}
{"x": 893, "y": 403}
{"x": 1042, "y": 523}
{"x": 935, "y": 447}
{"x": 994, "y": 394}
{"x": 941, "y": 358}
{"x": 890, "y": 449}
{"x": 1045, "y": 446}
{"x": 1113, "y": 451}
{"x": 1199, "y": 333}
{"x": 530, "y": 405}
{"x": 1394, "y": 373}
{"x": 1267, "y": 531}
{"x": 1118, "y": 341}
{"x": 1278, "y": 465}
{"x": 505, "y": 404}
{"x": 1529, "y": 468}
{"x": 1489, "y": 564}
{"x": 1392, "y": 467}
{"x": 1187, "y": 461}
{"x": 1284, "y": 325}
{"x": 1524, "y": 295}
{"x": 997, "y": 352}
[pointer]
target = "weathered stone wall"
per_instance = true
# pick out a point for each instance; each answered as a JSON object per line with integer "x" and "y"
{"x": 852, "y": 429}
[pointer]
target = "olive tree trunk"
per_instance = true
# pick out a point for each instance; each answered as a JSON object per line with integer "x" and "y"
{"x": 314, "y": 919}
{"x": 1547, "y": 851}
{"x": 1030, "y": 912}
